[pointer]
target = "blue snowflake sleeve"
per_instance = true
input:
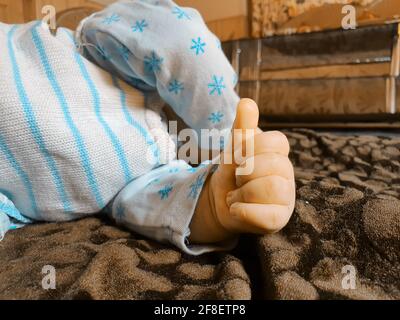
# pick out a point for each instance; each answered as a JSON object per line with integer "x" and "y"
{"x": 159, "y": 45}
{"x": 161, "y": 204}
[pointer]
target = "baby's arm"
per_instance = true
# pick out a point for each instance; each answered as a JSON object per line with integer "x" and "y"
{"x": 158, "y": 45}
{"x": 200, "y": 210}
{"x": 170, "y": 49}
{"x": 161, "y": 204}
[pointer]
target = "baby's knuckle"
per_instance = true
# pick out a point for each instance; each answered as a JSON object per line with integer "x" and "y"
{"x": 277, "y": 139}
{"x": 249, "y": 194}
{"x": 283, "y": 140}
{"x": 288, "y": 163}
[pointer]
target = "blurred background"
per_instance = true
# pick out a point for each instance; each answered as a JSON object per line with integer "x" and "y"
{"x": 337, "y": 77}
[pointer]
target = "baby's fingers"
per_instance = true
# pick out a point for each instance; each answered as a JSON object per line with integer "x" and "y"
{"x": 266, "y": 164}
{"x": 265, "y": 190}
{"x": 264, "y": 142}
{"x": 261, "y": 218}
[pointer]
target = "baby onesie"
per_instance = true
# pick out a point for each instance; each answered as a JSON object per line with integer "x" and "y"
{"x": 76, "y": 140}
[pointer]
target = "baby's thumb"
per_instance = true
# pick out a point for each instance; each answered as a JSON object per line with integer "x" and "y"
{"x": 244, "y": 128}
{"x": 247, "y": 115}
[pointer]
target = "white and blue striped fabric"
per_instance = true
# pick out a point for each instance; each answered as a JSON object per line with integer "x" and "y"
{"x": 71, "y": 135}
{"x": 75, "y": 139}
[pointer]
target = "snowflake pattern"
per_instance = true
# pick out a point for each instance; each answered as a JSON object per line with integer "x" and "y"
{"x": 175, "y": 87}
{"x": 198, "y": 46}
{"x": 139, "y": 26}
{"x": 164, "y": 192}
{"x": 180, "y": 13}
{"x": 196, "y": 186}
{"x": 216, "y": 117}
{"x": 111, "y": 19}
{"x": 216, "y": 86}
{"x": 152, "y": 63}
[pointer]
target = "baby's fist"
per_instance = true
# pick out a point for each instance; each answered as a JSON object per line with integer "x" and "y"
{"x": 255, "y": 193}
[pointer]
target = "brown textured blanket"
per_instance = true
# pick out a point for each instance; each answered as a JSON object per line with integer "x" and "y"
{"x": 347, "y": 213}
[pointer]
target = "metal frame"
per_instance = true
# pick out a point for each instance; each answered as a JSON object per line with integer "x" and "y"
{"x": 236, "y": 61}
{"x": 391, "y": 94}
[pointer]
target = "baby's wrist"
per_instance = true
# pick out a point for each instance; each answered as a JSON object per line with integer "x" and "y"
{"x": 205, "y": 226}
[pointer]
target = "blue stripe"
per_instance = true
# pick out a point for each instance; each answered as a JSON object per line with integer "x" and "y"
{"x": 83, "y": 153}
{"x": 149, "y": 140}
{"x": 97, "y": 108}
{"x": 21, "y": 173}
{"x": 34, "y": 127}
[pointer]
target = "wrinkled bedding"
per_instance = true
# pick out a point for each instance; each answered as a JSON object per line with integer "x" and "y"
{"x": 347, "y": 214}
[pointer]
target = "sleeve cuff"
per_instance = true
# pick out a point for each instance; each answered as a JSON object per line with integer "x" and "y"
{"x": 161, "y": 205}
{"x": 180, "y": 229}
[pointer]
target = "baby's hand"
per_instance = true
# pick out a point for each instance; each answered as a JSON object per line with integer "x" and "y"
{"x": 256, "y": 194}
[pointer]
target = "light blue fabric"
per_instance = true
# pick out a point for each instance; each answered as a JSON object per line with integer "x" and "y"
{"x": 5, "y": 224}
{"x": 10, "y": 217}
{"x": 66, "y": 148}
{"x": 161, "y": 203}
{"x": 159, "y": 45}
